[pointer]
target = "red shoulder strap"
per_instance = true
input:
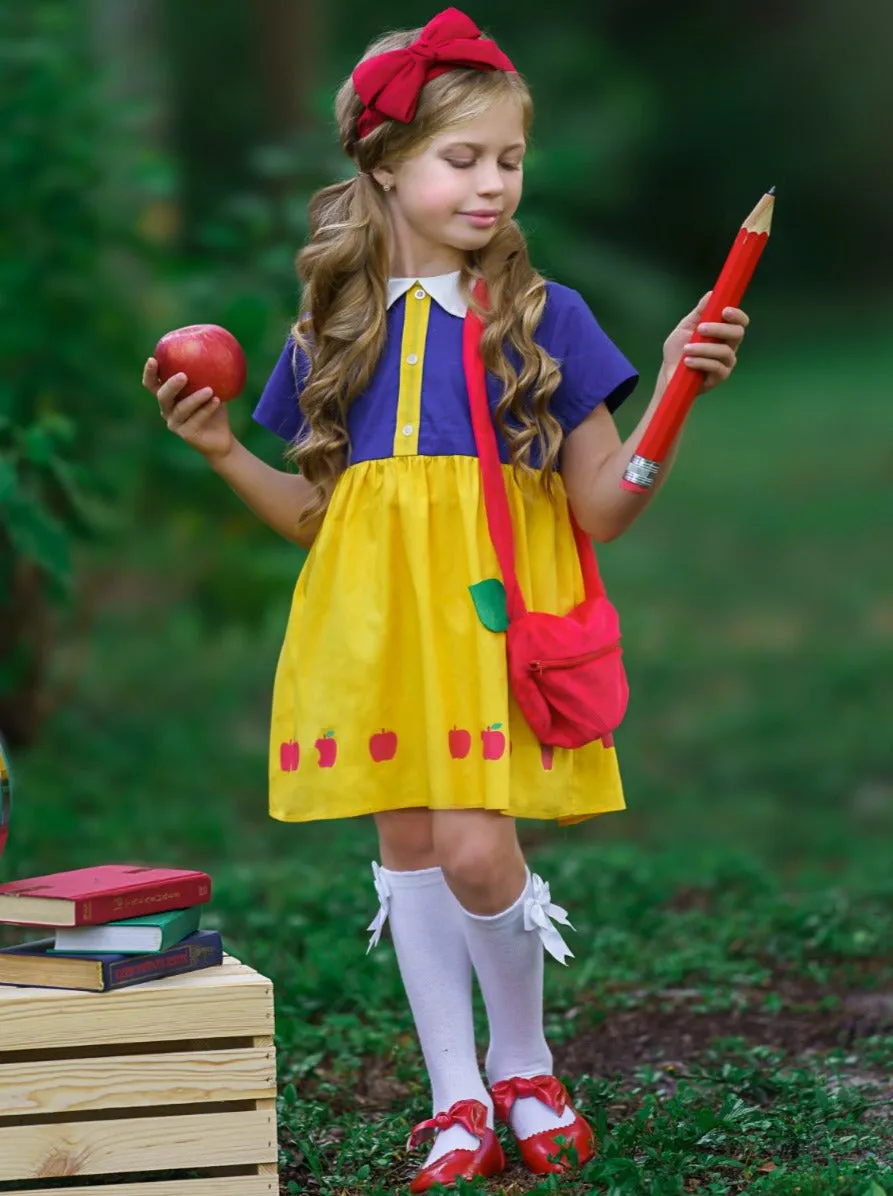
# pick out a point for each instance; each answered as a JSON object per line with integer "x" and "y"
{"x": 499, "y": 520}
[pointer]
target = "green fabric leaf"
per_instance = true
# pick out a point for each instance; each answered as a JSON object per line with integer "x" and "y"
{"x": 490, "y": 604}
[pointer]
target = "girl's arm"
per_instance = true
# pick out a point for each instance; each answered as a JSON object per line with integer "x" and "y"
{"x": 201, "y": 420}
{"x": 276, "y": 497}
{"x": 593, "y": 462}
{"x": 593, "y": 459}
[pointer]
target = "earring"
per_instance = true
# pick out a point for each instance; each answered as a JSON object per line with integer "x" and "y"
{"x": 386, "y": 186}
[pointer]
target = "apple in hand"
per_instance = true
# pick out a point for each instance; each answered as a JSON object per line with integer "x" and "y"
{"x": 208, "y": 355}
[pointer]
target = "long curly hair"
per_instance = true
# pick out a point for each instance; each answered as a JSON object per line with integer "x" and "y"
{"x": 344, "y": 271}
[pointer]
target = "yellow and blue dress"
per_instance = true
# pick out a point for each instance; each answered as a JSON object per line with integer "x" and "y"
{"x": 391, "y": 688}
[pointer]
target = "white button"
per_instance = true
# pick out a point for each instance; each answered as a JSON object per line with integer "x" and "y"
{"x": 407, "y": 429}
{"x": 420, "y": 294}
{"x": 412, "y": 359}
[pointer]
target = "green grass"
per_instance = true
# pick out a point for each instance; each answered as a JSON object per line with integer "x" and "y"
{"x": 727, "y": 1021}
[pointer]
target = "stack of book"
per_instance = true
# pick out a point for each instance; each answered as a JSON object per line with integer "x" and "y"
{"x": 114, "y": 925}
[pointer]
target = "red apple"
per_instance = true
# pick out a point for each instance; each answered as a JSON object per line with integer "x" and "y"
{"x": 289, "y": 756}
{"x": 327, "y": 747}
{"x": 460, "y": 743}
{"x": 208, "y": 355}
{"x": 383, "y": 746}
{"x": 546, "y": 754}
{"x": 493, "y": 741}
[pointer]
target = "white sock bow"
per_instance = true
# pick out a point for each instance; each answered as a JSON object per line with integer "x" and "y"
{"x": 383, "y": 889}
{"x": 538, "y": 910}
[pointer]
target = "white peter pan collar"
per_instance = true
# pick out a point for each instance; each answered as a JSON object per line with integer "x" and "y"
{"x": 443, "y": 289}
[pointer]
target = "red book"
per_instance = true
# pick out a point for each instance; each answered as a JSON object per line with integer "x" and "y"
{"x": 105, "y": 893}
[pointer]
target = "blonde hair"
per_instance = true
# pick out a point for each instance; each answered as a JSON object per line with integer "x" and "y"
{"x": 345, "y": 266}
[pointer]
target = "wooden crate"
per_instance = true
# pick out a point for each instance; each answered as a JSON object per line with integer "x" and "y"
{"x": 175, "y": 1075}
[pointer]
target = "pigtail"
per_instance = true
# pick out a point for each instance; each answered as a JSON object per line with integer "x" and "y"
{"x": 344, "y": 271}
{"x": 517, "y": 299}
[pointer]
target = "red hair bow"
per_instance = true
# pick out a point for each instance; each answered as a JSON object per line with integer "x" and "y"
{"x": 548, "y": 1089}
{"x": 389, "y": 83}
{"x": 470, "y": 1114}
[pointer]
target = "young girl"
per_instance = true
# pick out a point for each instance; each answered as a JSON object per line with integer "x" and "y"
{"x": 391, "y": 695}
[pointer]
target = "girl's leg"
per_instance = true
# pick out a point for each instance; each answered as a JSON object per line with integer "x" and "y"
{"x": 483, "y": 864}
{"x": 429, "y": 941}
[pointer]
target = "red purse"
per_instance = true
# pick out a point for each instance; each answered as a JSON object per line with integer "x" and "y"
{"x": 566, "y": 670}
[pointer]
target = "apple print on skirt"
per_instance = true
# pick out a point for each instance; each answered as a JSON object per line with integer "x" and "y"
{"x": 493, "y": 741}
{"x": 383, "y": 745}
{"x": 289, "y": 756}
{"x": 327, "y": 746}
{"x": 460, "y": 743}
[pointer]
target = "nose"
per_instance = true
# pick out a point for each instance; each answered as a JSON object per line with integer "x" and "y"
{"x": 490, "y": 180}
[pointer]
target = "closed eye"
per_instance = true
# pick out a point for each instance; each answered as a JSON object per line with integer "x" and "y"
{"x": 467, "y": 165}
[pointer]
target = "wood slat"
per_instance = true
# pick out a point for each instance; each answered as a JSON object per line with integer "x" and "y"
{"x": 230, "y": 1185}
{"x": 136, "y": 1081}
{"x": 91, "y": 1148}
{"x": 227, "y": 1001}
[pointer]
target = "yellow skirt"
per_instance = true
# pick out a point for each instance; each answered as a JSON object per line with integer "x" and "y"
{"x": 390, "y": 692}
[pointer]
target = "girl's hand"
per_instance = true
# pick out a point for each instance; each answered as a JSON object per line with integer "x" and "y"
{"x": 715, "y": 360}
{"x": 200, "y": 418}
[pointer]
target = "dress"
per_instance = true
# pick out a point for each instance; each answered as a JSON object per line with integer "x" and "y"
{"x": 390, "y": 691}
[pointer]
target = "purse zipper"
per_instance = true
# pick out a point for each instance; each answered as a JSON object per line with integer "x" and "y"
{"x": 540, "y": 666}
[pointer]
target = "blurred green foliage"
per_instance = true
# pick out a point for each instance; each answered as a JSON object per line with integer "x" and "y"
{"x": 69, "y": 329}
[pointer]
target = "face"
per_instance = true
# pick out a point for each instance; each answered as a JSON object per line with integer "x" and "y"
{"x": 452, "y": 196}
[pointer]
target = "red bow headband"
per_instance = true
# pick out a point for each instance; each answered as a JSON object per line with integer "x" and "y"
{"x": 389, "y": 83}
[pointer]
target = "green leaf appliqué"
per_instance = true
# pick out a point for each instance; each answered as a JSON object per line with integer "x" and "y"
{"x": 490, "y": 604}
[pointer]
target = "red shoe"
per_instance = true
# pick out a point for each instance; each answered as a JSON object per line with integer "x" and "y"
{"x": 539, "y": 1151}
{"x": 487, "y": 1160}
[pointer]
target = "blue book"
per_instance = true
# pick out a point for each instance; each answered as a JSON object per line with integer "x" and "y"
{"x": 37, "y": 964}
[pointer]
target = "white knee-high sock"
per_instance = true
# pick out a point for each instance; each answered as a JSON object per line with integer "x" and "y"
{"x": 429, "y": 941}
{"x": 507, "y": 952}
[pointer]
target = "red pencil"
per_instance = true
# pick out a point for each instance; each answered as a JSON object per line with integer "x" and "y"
{"x": 686, "y": 382}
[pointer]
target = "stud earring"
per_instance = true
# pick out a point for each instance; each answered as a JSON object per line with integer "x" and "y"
{"x": 386, "y": 186}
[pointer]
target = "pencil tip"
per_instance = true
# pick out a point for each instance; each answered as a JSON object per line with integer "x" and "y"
{"x": 771, "y": 191}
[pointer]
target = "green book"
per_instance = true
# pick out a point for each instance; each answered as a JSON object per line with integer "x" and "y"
{"x": 130, "y": 936}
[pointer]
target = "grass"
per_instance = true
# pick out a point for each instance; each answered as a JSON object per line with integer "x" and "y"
{"x": 728, "y": 1021}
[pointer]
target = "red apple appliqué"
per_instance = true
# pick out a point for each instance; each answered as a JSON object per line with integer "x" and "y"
{"x": 493, "y": 741}
{"x": 460, "y": 743}
{"x": 383, "y": 746}
{"x": 289, "y": 756}
{"x": 208, "y": 355}
{"x": 327, "y": 746}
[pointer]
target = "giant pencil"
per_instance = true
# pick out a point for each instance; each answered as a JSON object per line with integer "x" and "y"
{"x": 686, "y": 382}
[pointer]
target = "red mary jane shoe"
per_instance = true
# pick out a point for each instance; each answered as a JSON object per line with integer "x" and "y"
{"x": 488, "y": 1159}
{"x": 539, "y": 1150}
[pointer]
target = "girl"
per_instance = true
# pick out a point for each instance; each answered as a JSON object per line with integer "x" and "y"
{"x": 391, "y": 695}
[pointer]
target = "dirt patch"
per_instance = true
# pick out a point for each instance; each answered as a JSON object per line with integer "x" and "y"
{"x": 674, "y": 1031}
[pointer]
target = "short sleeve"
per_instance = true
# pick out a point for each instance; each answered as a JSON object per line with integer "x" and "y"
{"x": 278, "y": 407}
{"x": 593, "y": 370}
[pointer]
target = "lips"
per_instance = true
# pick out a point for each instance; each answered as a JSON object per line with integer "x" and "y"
{"x": 482, "y": 213}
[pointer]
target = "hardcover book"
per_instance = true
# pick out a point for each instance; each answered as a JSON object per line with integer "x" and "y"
{"x": 32, "y": 964}
{"x": 130, "y": 936}
{"x": 105, "y": 893}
